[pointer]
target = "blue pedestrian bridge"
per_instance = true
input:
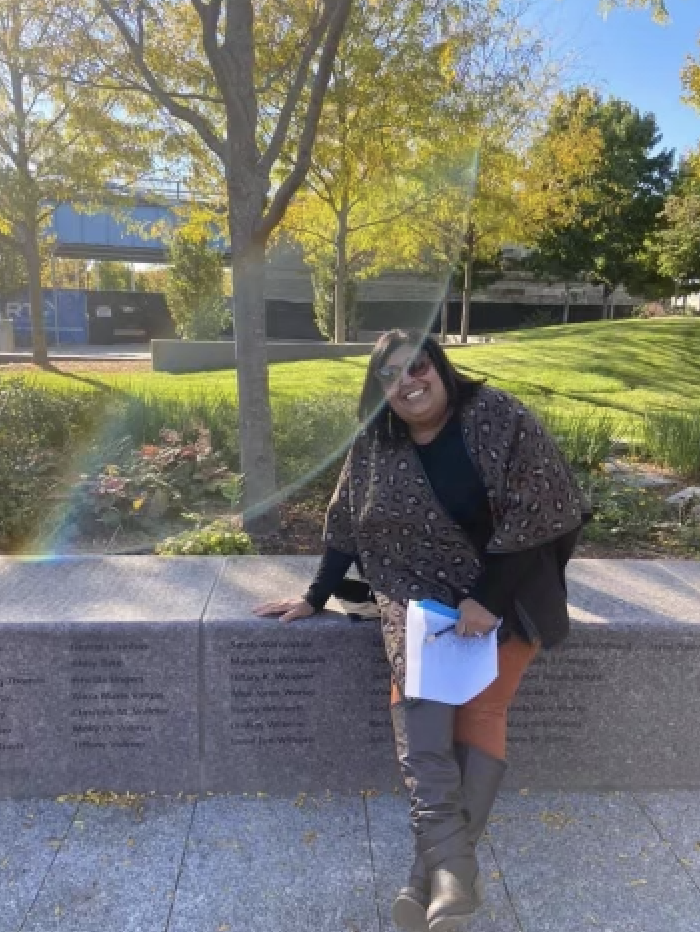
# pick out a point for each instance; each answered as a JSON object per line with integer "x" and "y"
{"x": 128, "y": 232}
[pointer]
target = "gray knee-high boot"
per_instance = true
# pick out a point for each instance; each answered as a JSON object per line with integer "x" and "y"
{"x": 481, "y": 776}
{"x": 425, "y": 748}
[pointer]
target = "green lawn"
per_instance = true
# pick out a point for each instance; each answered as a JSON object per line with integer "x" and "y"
{"x": 625, "y": 368}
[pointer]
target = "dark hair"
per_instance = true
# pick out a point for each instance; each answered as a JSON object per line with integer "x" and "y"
{"x": 374, "y": 410}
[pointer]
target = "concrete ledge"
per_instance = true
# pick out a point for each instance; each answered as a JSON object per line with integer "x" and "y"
{"x": 147, "y": 673}
{"x": 192, "y": 355}
{"x": 201, "y": 355}
{"x": 7, "y": 336}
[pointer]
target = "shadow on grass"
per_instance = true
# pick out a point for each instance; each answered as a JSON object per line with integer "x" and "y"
{"x": 83, "y": 379}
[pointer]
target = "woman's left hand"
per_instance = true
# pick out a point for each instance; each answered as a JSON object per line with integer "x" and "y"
{"x": 474, "y": 619}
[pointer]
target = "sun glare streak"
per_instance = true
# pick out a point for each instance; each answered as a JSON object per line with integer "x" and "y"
{"x": 460, "y": 179}
{"x": 111, "y": 421}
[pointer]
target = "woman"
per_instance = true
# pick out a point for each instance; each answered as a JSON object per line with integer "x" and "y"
{"x": 452, "y": 491}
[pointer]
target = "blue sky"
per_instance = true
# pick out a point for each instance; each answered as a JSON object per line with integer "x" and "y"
{"x": 627, "y": 55}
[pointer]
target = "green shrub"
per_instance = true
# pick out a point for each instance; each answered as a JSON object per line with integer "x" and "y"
{"x": 37, "y": 430}
{"x": 622, "y": 513}
{"x": 194, "y": 289}
{"x": 154, "y": 481}
{"x": 586, "y": 438}
{"x": 310, "y": 436}
{"x": 626, "y": 515}
{"x": 50, "y": 418}
{"x": 220, "y": 537}
{"x": 142, "y": 415}
{"x": 673, "y": 439}
{"x": 541, "y": 317}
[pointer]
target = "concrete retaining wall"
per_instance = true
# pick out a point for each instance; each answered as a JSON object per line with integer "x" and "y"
{"x": 201, "y": 355}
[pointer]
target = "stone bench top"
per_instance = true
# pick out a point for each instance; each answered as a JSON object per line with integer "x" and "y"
{"x": 177, "y": 590}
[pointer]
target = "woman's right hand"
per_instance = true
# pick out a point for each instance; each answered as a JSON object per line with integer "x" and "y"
{"x": 287, "y": 609}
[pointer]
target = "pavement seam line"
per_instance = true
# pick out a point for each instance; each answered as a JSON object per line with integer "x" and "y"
{"x": 645, "y": 812}
{"x": 502, "y": 878}
{"x": 180, "y": 867}
{"x": 49, "y": 868}
{"x": 380, "y": 925}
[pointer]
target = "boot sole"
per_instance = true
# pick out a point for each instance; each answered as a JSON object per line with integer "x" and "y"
{"x": 409, "y": 915}
{"x": 452, "y": 924}
{"x": 460, "y": 923}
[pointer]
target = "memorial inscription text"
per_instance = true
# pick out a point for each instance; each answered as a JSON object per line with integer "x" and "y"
{"x": 559, "y": 695}
{"x": 112, "y": 700}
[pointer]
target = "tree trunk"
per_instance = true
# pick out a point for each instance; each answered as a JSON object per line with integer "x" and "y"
{"x": 36, "y": 297}
{"x": 261, "y": 513}
{"x": 567, "y": 303}
{"x": 341, "y": 274}
{"x": 444, "y": 309}
{"x": 29, "y": 198}
{"x": 468, "y": 262}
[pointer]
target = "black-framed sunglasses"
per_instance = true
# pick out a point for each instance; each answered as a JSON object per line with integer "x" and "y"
{"x": 415, "y": 368}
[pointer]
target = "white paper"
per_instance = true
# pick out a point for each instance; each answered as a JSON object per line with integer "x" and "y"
{"x": 451, "y": 669}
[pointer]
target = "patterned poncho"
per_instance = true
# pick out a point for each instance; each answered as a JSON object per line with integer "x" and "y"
{"x": 385, "y": 510}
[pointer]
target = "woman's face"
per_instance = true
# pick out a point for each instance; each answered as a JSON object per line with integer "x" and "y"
{"x": 415, "y": 392}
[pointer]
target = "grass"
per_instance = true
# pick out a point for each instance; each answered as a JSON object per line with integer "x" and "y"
{"x": 618, "y": 371}
{"x": 627, "y": 368}
{"x": 635, "y": 379}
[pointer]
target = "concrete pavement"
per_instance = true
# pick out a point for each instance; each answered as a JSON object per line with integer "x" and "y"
{"x": 553, "y": 862}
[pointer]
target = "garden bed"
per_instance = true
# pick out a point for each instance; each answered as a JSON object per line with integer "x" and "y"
{"x": 629, "y": 523}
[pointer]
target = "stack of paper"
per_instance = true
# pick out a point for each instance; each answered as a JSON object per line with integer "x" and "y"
{"x": 450, "y": 668}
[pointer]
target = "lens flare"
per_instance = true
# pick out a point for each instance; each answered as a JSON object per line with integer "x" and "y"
{"x": 445, "y": 193}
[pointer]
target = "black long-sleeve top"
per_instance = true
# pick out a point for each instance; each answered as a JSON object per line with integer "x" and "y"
{"x": 459, "y": 489}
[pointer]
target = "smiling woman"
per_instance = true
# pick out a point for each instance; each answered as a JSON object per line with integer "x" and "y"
{"x": 452, "y": 491}
{"x": 415, "y": 392}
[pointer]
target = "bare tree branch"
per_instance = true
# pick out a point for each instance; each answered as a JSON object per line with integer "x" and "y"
{"x": 126, "y": 84}
{"x": 296, "y": 177}
{"x": 327, "y": 195}
{"x": 234, "y": 56}
{"x": 280, "y": 134}
{"x": 8, "y": 151}
{"x": 305, "y": 230}
{"x": 208, "y": 12}
{"x": 391, "y": 217}
{"x": 38, "y": 141}
{"x": 285, "y": 67}
{"x": 164, "y": 98}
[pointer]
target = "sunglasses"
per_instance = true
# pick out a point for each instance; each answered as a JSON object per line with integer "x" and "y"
{"x": 416, "y": 369}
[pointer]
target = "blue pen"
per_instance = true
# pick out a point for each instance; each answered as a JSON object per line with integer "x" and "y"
{"x": 437, "y": 634}
{"x": 437, "y": 608}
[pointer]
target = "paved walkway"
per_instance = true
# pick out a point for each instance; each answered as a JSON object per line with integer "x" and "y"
{"x": 71, "y": 352}
{"x": 554, "y": 862}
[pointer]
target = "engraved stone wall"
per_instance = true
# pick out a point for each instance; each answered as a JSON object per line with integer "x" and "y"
{"x": 152, "y": 674}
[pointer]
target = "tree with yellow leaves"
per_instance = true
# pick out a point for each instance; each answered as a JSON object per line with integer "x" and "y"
{"x": 58, "y": 141}
{"x": 232, "y": 84}
{"x": 391, "y": 180}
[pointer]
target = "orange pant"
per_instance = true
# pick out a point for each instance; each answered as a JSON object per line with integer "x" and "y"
{"x": 482, "y": 722}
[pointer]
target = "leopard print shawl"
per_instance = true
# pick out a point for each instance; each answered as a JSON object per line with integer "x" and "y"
{"x": 385, "y": 510}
